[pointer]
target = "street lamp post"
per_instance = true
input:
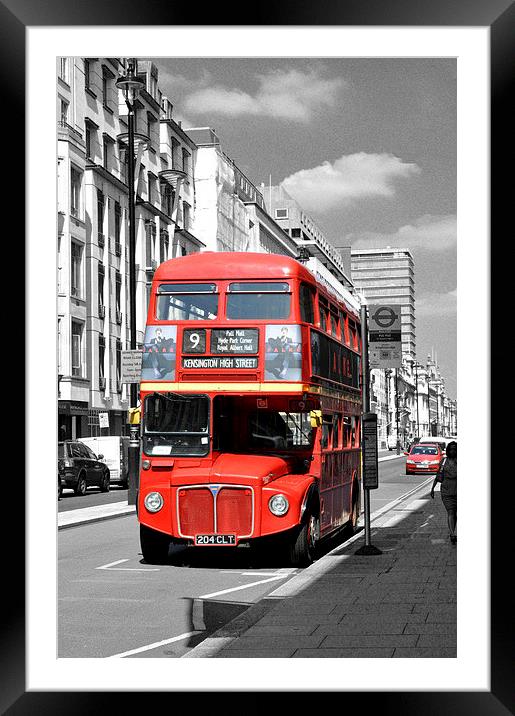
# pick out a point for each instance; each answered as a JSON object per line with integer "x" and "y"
{"x": 130, "y": 84}
{"x": 416, "y": 393}
{"x": 398, "y": 446}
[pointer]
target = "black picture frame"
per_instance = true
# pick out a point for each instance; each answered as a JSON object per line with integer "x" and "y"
{"x": 498, "y": 15}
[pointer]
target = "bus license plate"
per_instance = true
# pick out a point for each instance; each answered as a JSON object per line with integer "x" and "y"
{"x": 215, "y": 540}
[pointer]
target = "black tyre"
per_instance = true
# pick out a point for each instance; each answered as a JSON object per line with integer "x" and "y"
{"x": 302, "y": 549}
{"x": 105, "y": 485}
{"x": 81, "y": 486}
{"x": 154, "y": 545}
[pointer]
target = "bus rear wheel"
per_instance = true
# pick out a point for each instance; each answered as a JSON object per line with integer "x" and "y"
{"x": 302, "y": 549}
{"x": 154, "y": 545}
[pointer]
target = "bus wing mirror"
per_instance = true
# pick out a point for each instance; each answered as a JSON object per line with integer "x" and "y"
{"x": 316, "y": 418}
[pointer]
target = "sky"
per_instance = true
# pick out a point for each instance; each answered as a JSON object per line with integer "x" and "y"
{"x": 367, "y": 146}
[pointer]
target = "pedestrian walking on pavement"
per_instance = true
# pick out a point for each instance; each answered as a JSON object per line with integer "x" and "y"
{"x": 446, "y": 476}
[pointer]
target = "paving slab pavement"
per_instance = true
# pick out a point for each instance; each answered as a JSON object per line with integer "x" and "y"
{"x": 399, "y": 604}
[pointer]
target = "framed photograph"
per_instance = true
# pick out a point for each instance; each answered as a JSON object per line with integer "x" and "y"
{"x": 473, "y": 42}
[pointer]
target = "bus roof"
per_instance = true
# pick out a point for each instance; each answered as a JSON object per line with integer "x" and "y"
{"x": 224, "y": 265}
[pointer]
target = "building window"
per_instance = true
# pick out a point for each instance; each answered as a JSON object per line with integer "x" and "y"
{"x": 87, "y": 74}
{"x": 76, "y": 191}
{"x": 118, "y": 292}
{"x": 166, "y": 199}
{"x": 77, "y": 349}
{"x": 186, "y": 209}
{"x": 118, "y": 362}
{"x": 117, "y": 228}
{"x": 186, "y": 162}
{"x": 101, "y": 357}
{"x": 88, "y": 142}
{"x": 64, "y": 111}
{"x": 105, "y": 88}
{"x": 105, "y": 153}
{"x": 63, "y": 68}
{"x": 76, "y": 270}
{"x": 176, "y": 155}
{"x": 150, "y": 242}
{"x": 101, "y": 276}
{"x": 281, "y": 213}
{"x": 100, "y": 212}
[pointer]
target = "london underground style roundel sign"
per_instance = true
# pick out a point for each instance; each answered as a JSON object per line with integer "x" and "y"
{"x": 385, "y": 317}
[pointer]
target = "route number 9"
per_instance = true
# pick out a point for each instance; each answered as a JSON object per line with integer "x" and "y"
{"x": 194, "y": 341}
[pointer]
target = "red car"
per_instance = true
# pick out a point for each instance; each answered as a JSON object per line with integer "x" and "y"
{"x": 423, "y": 459}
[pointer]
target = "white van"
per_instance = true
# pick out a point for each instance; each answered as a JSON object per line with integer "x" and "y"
{"x": 115, "y": 451}
{"x": 391, "y": 442}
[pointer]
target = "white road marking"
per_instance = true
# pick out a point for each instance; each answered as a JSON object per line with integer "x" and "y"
{"x": 112, "y": 568}
{"x": 243, "y": 586}
{"x": 152, "y": 646}
{"x": 106, "y": 566}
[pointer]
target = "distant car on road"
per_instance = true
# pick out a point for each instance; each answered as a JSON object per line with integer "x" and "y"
{"x": 79, "y": 467}
{"x": 423, "y": 458}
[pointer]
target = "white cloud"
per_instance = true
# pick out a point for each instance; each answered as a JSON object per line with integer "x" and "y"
{"x": 437, "y": 304}
{"x": 350, "y": 177}
{"x": 291, "y": 95}
{"x": 432, "y": 233}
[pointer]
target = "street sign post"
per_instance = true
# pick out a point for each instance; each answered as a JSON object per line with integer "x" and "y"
{"x": 103, "y": 420}
{"x": 385, "y": 336}
{"x": 370, "y": 476}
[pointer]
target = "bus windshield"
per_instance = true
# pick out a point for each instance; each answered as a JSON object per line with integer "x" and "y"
{"x": 176, "y": 424}
{"x": 250, "y": 300}
{"x": 187, "y": 302}
{"x": 277, "y": 430}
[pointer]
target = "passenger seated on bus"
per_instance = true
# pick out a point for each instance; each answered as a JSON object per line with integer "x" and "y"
{"x": 270, "y": 429}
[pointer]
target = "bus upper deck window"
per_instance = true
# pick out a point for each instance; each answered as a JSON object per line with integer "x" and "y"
{"x": 187, "y": 302}
{"x": 306, "y": 298}
{"x": 258, "y": 300}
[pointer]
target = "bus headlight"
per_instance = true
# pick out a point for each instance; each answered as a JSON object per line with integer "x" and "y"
{"x": 278, "y": 505}
{"x": 153, "y": 501}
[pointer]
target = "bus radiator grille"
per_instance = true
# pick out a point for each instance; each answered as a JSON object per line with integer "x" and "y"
{"x": 234, "y": 511}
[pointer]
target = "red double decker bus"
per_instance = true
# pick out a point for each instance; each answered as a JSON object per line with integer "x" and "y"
{"x": 250, "y": 406}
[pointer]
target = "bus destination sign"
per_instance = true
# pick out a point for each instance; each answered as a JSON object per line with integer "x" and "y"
{"x": 232, "y": 362}
{"x": 234, "y": 340}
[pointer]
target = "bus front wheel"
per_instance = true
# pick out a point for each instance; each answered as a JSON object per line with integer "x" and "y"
{"x": 302, "y": 549}
{"x": 154, "y": 545}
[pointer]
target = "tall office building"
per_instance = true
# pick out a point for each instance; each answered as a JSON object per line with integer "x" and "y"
{"x": 387, "y": 276}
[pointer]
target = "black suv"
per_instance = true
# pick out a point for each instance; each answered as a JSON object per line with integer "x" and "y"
{"x": 80, "y": 468}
